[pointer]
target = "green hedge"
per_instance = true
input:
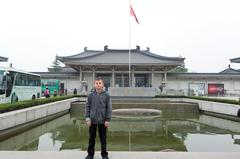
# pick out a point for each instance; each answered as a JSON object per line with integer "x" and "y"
{"x": 30, "y": 103}
{"x": 229, "y": 101}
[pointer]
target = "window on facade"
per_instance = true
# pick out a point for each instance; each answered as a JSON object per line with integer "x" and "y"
{"x": 122, "y": 80}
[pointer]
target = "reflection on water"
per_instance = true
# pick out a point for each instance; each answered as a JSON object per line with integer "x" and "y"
{"x": 217, "y": 142}
{"x": 186, "y": 132}
{"x": 47, "y": 142}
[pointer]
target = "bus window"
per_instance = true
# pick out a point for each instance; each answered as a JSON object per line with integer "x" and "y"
{"x": 10, "y": 80}
{"x": 18, "y": 81}
{"x": 2, "y": 84}
{"x": 38, "y": 81}
{"x": 31, "y": 81}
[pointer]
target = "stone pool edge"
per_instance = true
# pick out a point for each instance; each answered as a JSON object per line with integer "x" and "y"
{"x": 118, "y": 155}
{"x": 20, "y": 117}
{"x": 222, "y": 110}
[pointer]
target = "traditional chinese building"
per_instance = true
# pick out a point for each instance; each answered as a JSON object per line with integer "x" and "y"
{"x": 148, "y": 72}
{"x": 147, "y": 69}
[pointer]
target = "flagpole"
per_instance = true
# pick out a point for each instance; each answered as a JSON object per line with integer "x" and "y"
{"x": 129, "y": 46}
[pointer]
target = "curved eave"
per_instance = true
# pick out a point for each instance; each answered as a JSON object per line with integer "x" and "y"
{"x": 124, "y": 64}
{"x": 64, "y": 59}
{"x": 230, "y": 70}
{"x": 80, "y": 61}
{"x": 3, "y": 59}
{"x": 235, "y": 60}
{"x": 76, "y": 56}
{"x": 162, "y": 57}
{"x": 148, "y": 53}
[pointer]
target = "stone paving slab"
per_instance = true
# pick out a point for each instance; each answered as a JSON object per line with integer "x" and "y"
{"x": 117, "y": 155}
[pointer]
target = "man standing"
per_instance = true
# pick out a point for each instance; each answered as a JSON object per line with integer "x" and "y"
{"x": 98, "y": 112}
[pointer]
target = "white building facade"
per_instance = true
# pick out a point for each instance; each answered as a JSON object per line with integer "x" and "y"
{"x": 148, "y": 75}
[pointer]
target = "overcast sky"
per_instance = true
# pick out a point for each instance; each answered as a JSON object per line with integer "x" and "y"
{"x": 205, "y": 32}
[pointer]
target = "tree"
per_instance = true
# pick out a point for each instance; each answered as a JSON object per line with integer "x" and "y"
{"x": 179, "y": 69}
{"x": 56, "y": 67}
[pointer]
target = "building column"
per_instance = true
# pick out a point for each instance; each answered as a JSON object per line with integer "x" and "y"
{"x": 113, "y": 76}
{"x": 122, "y": 80}
{"x": 152, "y": 74}
{"x": 94, "y": 76}
{"x": 165, "y": 77}
{"x": 133, "y": 79}
{"x": 80, "y": 73}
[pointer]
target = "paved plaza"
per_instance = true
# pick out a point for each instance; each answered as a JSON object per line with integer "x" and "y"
{"x": 117, "y": 155}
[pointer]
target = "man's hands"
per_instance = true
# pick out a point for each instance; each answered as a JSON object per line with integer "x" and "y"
{"x": 106, "y": 124}
{"x": 88, "y": 123}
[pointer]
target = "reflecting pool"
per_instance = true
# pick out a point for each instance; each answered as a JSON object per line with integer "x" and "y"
{"x": 172, "y": 131}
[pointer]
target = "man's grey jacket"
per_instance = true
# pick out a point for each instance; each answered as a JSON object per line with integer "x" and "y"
{"x": 98, "y": 107}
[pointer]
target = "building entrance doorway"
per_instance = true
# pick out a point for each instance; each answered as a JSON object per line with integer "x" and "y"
{"x": 141, "y": 80}
{"x": 122, "y": 80}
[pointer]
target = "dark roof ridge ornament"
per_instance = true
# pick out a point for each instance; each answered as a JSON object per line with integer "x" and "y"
{"x": 138, "y": 48}
{"x": 85, "y": 49}
{"x": 106, "y": 48}
{"x": 148, "y": 49}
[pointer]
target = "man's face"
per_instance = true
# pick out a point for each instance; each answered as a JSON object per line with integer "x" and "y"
{"x": 98, "y": 85}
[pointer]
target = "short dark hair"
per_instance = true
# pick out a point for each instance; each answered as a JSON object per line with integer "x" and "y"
{"x": 99, "y": 79}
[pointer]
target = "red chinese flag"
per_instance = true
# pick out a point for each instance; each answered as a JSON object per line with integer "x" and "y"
{"x": 133, "y": 14}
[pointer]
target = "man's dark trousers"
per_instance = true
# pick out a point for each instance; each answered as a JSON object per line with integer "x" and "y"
{"x": 102, "y": 132}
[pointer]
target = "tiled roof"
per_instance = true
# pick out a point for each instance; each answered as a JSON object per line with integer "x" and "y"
{"x": 119, "y": 56}
{"x": 3, "y": 59}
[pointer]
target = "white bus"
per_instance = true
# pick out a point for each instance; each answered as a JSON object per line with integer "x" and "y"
{"x": 16, "y": 85}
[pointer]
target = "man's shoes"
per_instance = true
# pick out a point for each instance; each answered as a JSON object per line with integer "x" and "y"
{"x": 89, "y": 157}
{"x": 105, "y": 157}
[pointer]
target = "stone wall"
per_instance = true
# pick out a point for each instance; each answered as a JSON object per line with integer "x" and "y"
{"x": 132, "y": 91}
{"x": 23, "y": 116}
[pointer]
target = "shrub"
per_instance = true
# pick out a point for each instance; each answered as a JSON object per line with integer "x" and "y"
{"x": 30, "y": 103}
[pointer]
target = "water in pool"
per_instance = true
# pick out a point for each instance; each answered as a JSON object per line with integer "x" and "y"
{"x": 169, "y": 132}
